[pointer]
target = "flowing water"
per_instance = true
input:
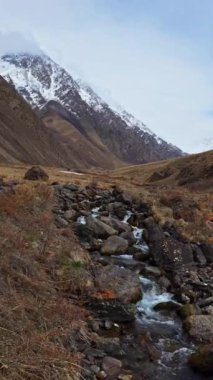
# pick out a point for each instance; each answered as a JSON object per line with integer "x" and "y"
{"x": 165, "y": 329}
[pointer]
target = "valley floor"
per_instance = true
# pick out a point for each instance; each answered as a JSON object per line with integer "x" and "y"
{"x": 55, "y": 286}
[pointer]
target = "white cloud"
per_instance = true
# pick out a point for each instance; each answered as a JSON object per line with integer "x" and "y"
{"x": 161, "y": 78}
{"x": 16, "y": 43}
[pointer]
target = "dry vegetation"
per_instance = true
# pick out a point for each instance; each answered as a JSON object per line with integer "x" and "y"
{"x": 186, "y": 206}
{"x": 36, "y": 315}
{"x": 42, "y": 268}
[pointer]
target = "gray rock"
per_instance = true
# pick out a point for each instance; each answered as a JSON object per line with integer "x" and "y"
{"x": 208, "y": 252}
{"x": 154, "y": 232}
{"x": 116, "y": 224}
{"x": 36, "y": 173}
{"x": 71, "y": 187}
{"x": 206, "y": 302}
{"x": 99, "y": 229}
{"x": 70, "y": 214}
{"x": 61, "y": 222}
{"x": 200, "y": 327}
{"x": 111, "y": 366}
{"x": 124, "y": 283}
{"x": 114, "y": 245}
{"x": 113, "y": 310}
{"x": 199, "y": 257}
{"x": 202, "y": 360}
{"x": 118, "y": 209}
{"x": 171, "y": 254}
{"x": 167, "y": 306}
{"x": 129, "y": 236}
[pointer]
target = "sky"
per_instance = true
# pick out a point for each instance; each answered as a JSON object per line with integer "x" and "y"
{"x": 152, "y": 57}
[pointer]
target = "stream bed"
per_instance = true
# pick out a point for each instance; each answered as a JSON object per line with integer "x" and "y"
{"x": 163, "y": 329}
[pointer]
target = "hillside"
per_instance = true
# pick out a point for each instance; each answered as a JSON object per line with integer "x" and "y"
{"x": 97, "y": 272}
{"x": 41, "y": 80}
{"x": 25, "y": 139}
{"x": 196, "y": 169}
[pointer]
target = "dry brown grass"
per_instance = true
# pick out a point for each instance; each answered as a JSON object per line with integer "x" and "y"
{"x": 35, "y": 314}
{"x": 135, "y": 181}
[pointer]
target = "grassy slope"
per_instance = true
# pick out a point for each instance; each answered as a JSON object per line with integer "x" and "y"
{"x": 37, "y": 275}
{"x": 85, "y": 152}
{"x": 24, "y": 138}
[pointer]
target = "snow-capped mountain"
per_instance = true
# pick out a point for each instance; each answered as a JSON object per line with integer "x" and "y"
{"x": 40, "y": 80}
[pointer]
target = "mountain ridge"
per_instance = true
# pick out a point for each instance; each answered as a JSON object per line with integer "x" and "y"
{"x": 25, "y": 138}
{"x": 40, "y": 80}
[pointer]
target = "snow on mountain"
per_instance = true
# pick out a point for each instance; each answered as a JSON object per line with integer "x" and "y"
{"x": 40, "y": 80}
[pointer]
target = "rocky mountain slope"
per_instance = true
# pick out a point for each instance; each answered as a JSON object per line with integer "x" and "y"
{"x": 41, "y": 80}
{"x": 24, "y": 138}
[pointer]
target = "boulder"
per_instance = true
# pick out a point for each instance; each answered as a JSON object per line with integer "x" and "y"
{"x": 83, "y": 231}
{"x": 118, "y": 209}
{"x": 113, "y": 310}
{"x": 198, "y": 255}
{"x": 167, "y": 306}
{"x": 116, "y": 224}
{"x": 141, "y": 255}
{"x": 70, "y": 215}
{"x": 129, "y": 236}
{"x": 111, "y": 366}
{"x": 154, "y": 232}
{"x": 200, "y": 327}
{"x": 99, "y": 229}
{"x": 187, "y": 310}
{"x": 114, "y": 245}
{"x": 171, "y": 254}
{"x": 202, "y": 360}
{"x": 36, "y": 173}
{"x": 123, "y": 283}
{"x": 206, "y": 302}
{"x": 207, "y": 250}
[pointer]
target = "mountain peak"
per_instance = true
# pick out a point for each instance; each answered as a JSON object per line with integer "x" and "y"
{"x": 39, "y": 79}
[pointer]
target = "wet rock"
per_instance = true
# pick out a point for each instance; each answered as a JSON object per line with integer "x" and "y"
{"x": 202, "y": 360}
{"x": 118, "y": 209}
{"x": 208, "y": 310}
{"x": 208, "y": 252}
{"x": 83, "y": 231}
{"x": 171, "y": 254}
{"x": 108, "y": 325}
{"x": 200, "y": 327}
{"x": 116, "y": 224}
{"x": 154, "y": 232}
{"x": 124, "y": 283}
{"x": 113, "y": 310}
{"x": 95, "y": 369}
{"x": 114, "y": 245}
{"x": 164, "y": 282}
{"x": 141, "y": 255}
{"x": 153, "y": 271}
{"x": 110, "y": 346}
{"x": 198, "y": 255}
{"x": 99, "y": 229}
{"x": 129, "y": 236}
{"x": 36, "y": 173}
{"x": 125, "y": 377}
{"x": 167, "y": 306}
{"x": 101, "y": 375}
{"x": 187, "y": 310}
{"x": 111, "y": 366}
{"x": 206, "y": 302}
